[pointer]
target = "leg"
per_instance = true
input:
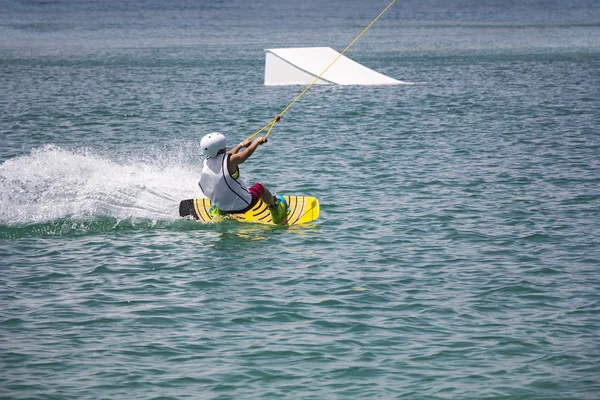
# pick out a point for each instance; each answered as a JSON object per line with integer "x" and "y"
{"x": 277, "y": 205}
{"x": 267, "y": 197}
{"x": 260, "y": 191}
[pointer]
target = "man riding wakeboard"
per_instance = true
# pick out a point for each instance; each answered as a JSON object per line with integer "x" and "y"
{"x": 220, "y": 179}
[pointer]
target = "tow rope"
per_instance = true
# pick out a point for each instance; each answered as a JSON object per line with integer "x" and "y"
{"x": 276, "y": 119}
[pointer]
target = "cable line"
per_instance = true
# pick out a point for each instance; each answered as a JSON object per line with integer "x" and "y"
{"x": 271, "y": 124}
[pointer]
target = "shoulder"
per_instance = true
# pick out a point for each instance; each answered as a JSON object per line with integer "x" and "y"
{"x": 236, "y": 159}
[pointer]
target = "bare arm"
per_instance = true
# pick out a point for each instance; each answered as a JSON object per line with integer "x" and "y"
{"x": 239, "y": 157}
{"x": 240, "y": 146}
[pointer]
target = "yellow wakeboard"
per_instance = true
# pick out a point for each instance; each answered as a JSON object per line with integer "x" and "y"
{"x": 303, "y": 209}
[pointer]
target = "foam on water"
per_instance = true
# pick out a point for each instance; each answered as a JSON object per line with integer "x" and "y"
{"x": 52, "y": 183}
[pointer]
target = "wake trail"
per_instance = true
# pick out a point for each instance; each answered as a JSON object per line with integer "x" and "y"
{"x": 52, "y": 183}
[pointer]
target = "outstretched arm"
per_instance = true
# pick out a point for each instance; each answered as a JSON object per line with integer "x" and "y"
{"x": 239, "y": 157}
{"x": 240, "y": 146}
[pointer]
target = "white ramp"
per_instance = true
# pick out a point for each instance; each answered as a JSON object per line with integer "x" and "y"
{"x": 301, "y": 65}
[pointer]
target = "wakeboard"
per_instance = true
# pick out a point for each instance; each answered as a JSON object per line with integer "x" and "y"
{"x": 303, "y": 209}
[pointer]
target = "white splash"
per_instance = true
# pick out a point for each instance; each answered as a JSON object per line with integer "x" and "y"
{"x": 53, "y": 183}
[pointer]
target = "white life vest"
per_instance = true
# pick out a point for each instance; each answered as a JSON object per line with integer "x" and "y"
{"x": 225, "y": 192}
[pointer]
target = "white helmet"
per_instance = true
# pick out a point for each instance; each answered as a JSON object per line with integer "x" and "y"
{"x": 212, "y": 143}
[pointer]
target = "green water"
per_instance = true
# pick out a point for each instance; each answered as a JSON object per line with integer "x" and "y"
{"x": 457, "y": 250}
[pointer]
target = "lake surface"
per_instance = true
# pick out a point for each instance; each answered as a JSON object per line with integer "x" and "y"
{"x": 457, "y": 254}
